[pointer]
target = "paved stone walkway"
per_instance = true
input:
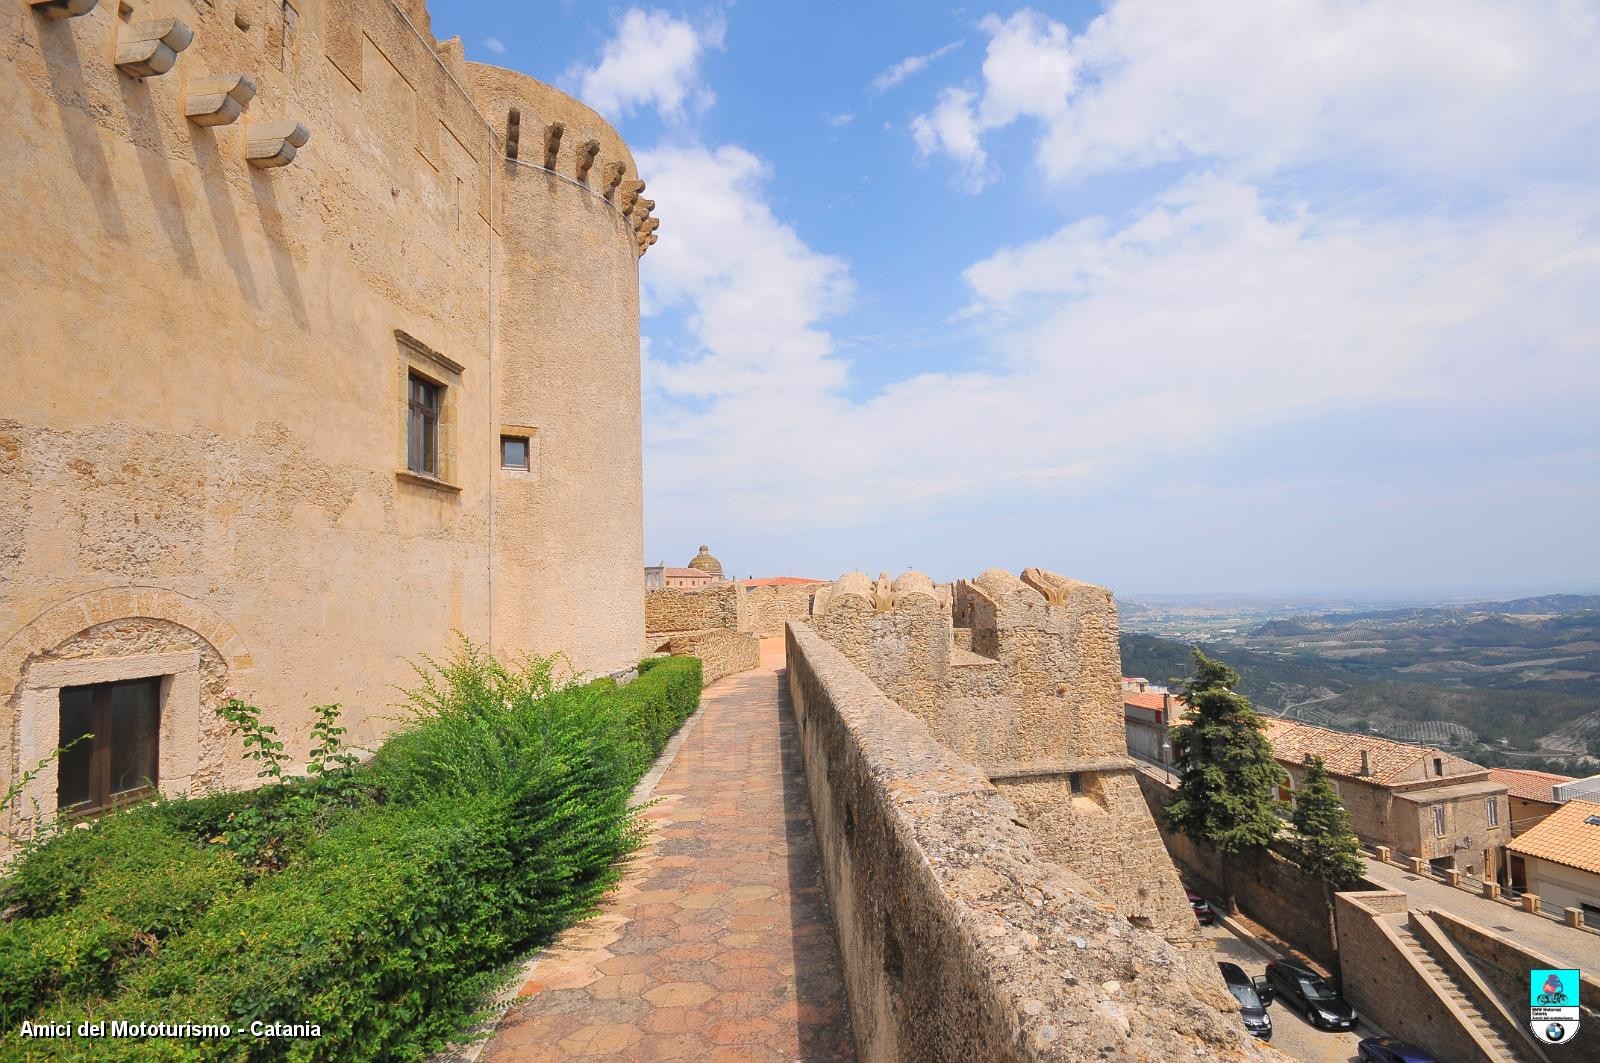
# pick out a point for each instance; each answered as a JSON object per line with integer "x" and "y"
{"x": 718, "y": 944}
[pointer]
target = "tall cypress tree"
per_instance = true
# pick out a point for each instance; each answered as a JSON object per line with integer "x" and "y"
{"x": 1324, "y": 846}
{"x": 1228, "y": 779}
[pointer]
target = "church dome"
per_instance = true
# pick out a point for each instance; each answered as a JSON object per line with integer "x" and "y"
{"x": 706, "y": 563}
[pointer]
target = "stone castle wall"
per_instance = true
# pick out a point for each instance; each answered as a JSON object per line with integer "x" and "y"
{"x": 1035, "y": 703}
{"x": 768, "y": 609}
{"x": 204, "y": 423}
{"x": 715, "y": 606}
{"x": 960, "y": 939}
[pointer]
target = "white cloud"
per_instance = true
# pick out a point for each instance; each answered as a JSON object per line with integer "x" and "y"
{"x": 1215, "y": 314}
{"x": 1468, "y": 89}
{"x": 839, "y": 121}
{"x": 908, "y": 66}
{"x": 952, "y": 128}
{"x": 495, "y": 45}
{"x": 754, "y": 289}
{"x": 653, "y": 60}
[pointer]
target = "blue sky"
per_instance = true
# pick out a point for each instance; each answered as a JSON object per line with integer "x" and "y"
{"x": 1271, "y": 297}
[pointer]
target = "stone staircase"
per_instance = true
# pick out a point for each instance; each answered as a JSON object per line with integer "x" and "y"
{"x": 1447, "y": 985}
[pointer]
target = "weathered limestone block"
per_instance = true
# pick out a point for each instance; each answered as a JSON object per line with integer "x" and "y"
{"x": 275, "y": 143}
{"x": 59, "y": 9}
{"x": 586, "y": 157}
{"x": 552, "y": 144}
{"x": 146, "y": 49}
{"x": 614, "y": 172}
{"x": 629, "y": 195}
{"x": 513, "y": 132}
{"x": 219, "y": 100}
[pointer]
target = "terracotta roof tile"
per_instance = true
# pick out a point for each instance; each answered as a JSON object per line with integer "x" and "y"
{"x": 1565, "y": 836}
{"x": 1529, "y": 785}
{"x": 1341, "y": 750}
{"x": 1153, "y": 701}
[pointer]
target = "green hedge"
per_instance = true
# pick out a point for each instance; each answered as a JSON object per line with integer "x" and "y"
{"x": 495, "y": 820}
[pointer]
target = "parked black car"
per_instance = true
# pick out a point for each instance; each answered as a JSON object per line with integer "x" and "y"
{"x": 1251, "y": 1007}
{"x": 1202, "y": 909}
{"x": 1311, "y": 994}
{"x": 1389, "y": 1050}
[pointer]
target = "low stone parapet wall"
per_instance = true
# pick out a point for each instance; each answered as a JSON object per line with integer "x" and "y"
{"x": 958, "y": 940}
{"x": 1505, "y": 963}
{"x": 721, "y": 652}
{"x": 672, "y": 609}
{"x": 767, "y": 609}
{"x": 1389, "y": 988}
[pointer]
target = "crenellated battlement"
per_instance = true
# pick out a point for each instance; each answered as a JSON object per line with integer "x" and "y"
{"x": 1021, "y": 676}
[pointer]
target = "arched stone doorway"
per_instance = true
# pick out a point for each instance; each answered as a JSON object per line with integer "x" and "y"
{"x": 111, "y": 636}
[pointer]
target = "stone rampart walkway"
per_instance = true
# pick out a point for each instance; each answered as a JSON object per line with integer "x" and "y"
{"x": 718, "y": 945}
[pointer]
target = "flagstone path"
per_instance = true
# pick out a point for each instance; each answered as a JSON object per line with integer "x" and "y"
{"x": 718, "y": 944}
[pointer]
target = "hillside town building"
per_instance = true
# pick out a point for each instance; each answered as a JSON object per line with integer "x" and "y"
{"x": 324, "y": 348}
{"x": 1559, "y": 860}
{"x": 1532, "y": 795}
{"x": 1418, "y": 801}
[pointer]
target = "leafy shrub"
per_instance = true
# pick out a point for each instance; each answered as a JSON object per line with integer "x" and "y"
{"x": 497, "y": 817}
{"x": 92, "y": 902}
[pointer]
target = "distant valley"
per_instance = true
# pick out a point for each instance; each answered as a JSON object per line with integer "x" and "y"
{"x": 1514, "y": 683}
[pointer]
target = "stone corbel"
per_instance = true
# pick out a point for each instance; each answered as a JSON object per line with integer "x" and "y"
{"x": 586, "y": 155}
{"x": 642, "y": 208}
{"x": 271, "y": 144}
{"x": 552, "y": 144}
{"x": 59, "y": 9}
{"x": 513, "y": 132}
{"x": 629, "y": 195}
{"x": 648, "y": 226}
{"x": 219, "y": 100}
{"x": 146, "y": 49}
{"x": 613, "y": 172}
{"x": 644, "y": 244}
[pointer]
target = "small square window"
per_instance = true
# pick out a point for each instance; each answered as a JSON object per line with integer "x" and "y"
{"x": 514, "y": 453}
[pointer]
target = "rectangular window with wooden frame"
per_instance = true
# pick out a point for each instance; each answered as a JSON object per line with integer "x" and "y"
{"x": 426, "y": 400}
{"x": 110, "y": 733}
{"x": 1438, "y": 821}
{"x": 1494, "y": 812}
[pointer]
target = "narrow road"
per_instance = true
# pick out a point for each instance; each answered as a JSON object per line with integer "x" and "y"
{"x": 718, "y": 945}
{"x": 1291, "y": 1033}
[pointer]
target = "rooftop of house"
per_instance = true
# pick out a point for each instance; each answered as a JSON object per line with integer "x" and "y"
{"x": 776, "y": 581}
{"x": 1341, "y": 751}
{"x": 1530, "y": 785}
{"x": 1153, "y": 701}
{"x": 685, "y": 573}
{"x": 1570, "y": 835}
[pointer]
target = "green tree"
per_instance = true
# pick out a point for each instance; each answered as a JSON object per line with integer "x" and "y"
{"x": 1324, "y": 845}
{"x": 1228, "y": 779}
